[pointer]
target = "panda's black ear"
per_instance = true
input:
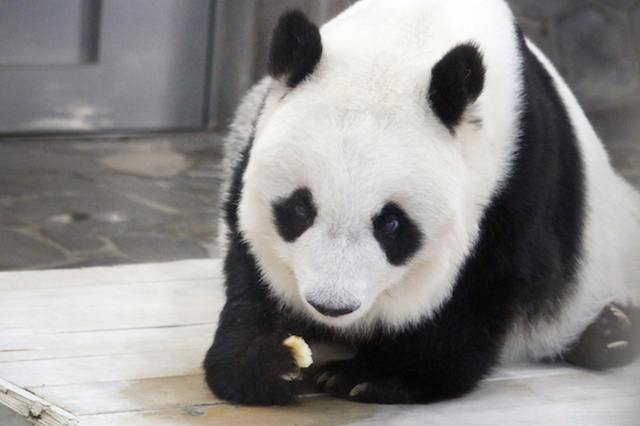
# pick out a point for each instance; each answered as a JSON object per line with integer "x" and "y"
{"x": 456, "y": 82}
{"x": 296, "y": 48}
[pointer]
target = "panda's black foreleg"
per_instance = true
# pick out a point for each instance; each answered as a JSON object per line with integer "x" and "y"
{"x": 420, "y": 367}
{"x": 612, "y": 340}
{"x": 248, "y": 363}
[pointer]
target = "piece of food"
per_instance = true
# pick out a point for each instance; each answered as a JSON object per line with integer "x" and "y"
{"x": 301, "y": 351}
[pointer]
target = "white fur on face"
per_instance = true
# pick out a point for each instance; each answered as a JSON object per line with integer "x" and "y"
{"x": 353, "y": 163}
{"x": 360, "y": 134}
{"x": 339, "y": 268}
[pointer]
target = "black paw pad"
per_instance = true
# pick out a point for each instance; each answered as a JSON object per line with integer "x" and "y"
{"x": 612, "y": 340}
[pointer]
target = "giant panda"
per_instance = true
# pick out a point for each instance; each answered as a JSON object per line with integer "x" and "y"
{"x": 415, "y": 181}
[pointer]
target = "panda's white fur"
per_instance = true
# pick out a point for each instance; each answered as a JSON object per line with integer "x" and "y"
{"x": 352, "y": 135}
{"x": 359, "y": 131}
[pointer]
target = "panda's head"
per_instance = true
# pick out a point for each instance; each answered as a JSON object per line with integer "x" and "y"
{"x": 355, "y": 200}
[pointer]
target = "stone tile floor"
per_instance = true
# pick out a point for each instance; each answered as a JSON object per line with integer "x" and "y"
{"x": 67, "y": 203}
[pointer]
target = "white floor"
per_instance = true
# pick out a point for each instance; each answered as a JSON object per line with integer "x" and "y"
{"x": 122, "y": 345}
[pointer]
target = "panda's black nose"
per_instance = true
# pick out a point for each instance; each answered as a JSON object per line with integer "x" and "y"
{"x": 331, "y": 311}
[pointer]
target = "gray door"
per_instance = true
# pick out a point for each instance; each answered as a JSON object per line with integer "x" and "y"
{"x": 104, "y": 65}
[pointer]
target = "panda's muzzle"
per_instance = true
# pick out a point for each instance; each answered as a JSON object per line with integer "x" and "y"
{"x": 330, "y": 311}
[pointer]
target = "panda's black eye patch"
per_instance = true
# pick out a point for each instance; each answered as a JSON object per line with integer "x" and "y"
{"x": 399, "y": 237}
{"x": 295, "y": 214}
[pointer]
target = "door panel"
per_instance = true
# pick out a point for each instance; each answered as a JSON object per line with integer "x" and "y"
{"x": 48, "y": 33}
{"x": 110, "y": 65}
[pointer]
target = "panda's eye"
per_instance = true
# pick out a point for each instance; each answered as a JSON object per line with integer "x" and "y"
{"x": 390, "y": 226}
{"x": 301, "y": 209}
{"x": 387, "y": 225}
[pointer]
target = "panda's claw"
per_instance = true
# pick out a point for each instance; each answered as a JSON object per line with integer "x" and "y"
{"x": 623, "y": 319}
{"x": 331, "y": 382}
{"x": 294, "y": 375}
{"x": 618, "y": 345}
{"x": 322, "y": 378}
{"x": 357, "y": 390}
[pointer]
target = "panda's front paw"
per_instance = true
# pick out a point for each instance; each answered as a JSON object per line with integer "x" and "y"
{"x": 355, "y": 381}
{"x": 612, "y": 340}
{"x": 261, "y": 372}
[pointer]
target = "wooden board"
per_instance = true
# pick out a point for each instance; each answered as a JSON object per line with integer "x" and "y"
{"x": 33, "y": 408}
{"x": 120, "y": 346}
